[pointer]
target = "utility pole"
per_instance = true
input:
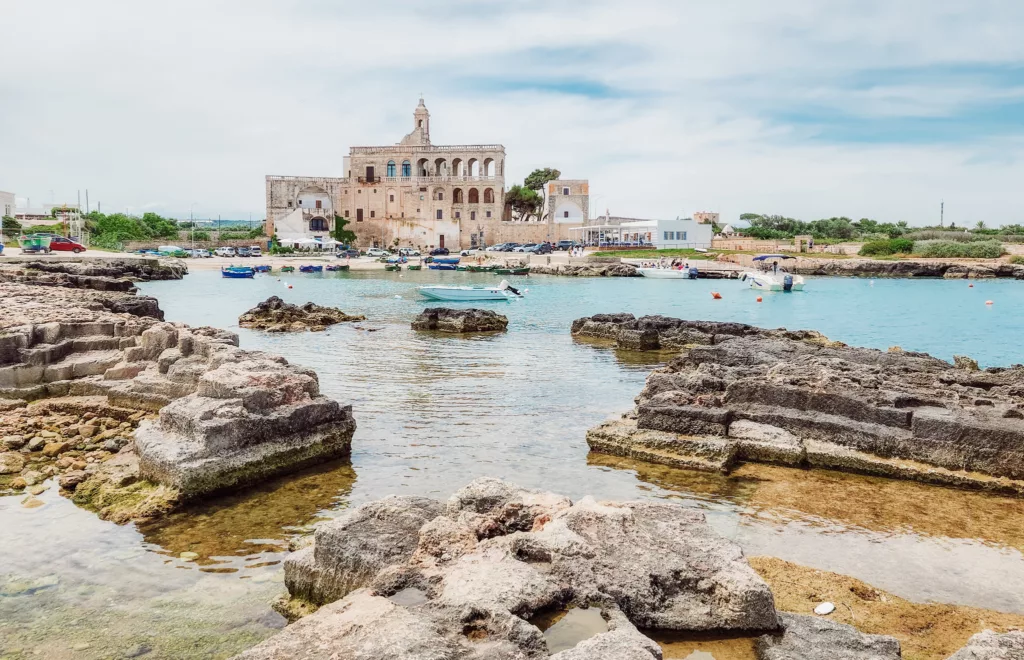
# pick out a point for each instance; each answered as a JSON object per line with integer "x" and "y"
{"x": 942, "y": 213}
{"x": 87, "y": 201}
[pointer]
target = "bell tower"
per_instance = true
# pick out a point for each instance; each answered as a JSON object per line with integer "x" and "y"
{"x": 421, "y": 122}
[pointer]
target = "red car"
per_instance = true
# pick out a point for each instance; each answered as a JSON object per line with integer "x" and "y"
{"x": 61, "y": 244}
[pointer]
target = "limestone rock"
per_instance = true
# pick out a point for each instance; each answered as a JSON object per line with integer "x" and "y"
{"x": 738, "y": 392}
{"x": 444, "y": 319}
{"x": 965, "y": 363}
{"x": 989, "y": 645}
{"x": 814, "y": 638}
{"x": 13, "y": 441}
{"x": 11, "y": 463}
{"x": 276, "y": 315}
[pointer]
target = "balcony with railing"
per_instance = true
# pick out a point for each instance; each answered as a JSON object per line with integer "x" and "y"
{"x": 444, "y": 178}
{"x": 446, "y": 148}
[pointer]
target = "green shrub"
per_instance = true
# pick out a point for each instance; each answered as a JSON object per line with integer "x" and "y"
{"x": 1018, "y": 260}
{"x": 887, "y": 247}
{"x": 952, "y": 250}
{"x": 233, "y": 235}
{"x": 200, "y": 235}
{"x": 280, "y": 249}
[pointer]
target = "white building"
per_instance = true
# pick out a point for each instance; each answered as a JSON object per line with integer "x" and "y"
{"x": 7, "y": 204}
{"x": 658, "y": 234}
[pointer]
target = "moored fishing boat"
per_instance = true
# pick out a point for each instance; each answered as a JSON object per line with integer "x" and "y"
{"x": 503, "y": 291}
{"x": 237, "y": 272}
{"x": 392, "y": 267}
{"x": 689, "y": 273}
{"x": 287, "y": 269}
{"x": 446, "y": 260}
{"x": 442, "y": 267}
{"x": 307, "y": 268}
{"x": 512, "y": 271}
{"x": 262, "y": 268}
{"x": 332, "y": 268}
{"x": 481, "y": 269}
{"x": 414, "y": 267}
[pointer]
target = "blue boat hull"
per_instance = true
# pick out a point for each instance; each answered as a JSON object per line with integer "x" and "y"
{"x": 311, "y": 269}
{"x": 442, "y": 267}
{"x": 238, "y": 274}
{"x": 446, "y": 260}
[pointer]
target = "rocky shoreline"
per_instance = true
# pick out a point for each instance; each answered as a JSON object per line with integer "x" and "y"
{"x": 963, "y": 269}
{"x": 189, "y": 412}
{"x": 739, "y": 393}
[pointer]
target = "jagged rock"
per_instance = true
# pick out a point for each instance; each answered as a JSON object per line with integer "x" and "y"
{"x": 814, "y": 638}
{"x": 495, "y": 555}
{"x": 742, "y": 393}
{"x": 275, "y": 315}
{"x": 989, "y": 645}
{"x": 444, "y": 319}
{"x": 589, "y": 270}
{"x": 11, "y": 463}
{"x": 905, "y": 268}
{"x": 966, "y": 363}
{"x": 348, "y": 552}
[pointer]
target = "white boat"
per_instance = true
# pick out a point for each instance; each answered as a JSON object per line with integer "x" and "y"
{"x": 503, "y": 291}
{"x": 669, "y": 273}
{"x": 773, "y": 280}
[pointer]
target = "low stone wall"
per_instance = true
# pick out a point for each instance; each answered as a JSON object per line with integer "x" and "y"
{"x": 740, "y": 393}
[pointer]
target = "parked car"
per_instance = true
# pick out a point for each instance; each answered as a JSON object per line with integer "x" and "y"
{"x": 510, "y": 247}
{"x": 225, "y": 252}
{"x": 567, "y": 245}
{"x": 525, "y": 248}
{"x": 352, "y": 254}
{"x": 199, "y": 253}
{"x": 61, "y": 244}
{"x": 243, "y": 252}
{"x": 409, "y": 252}
{"x": 377, "y": 252}
{"x": 256, "y": 251}
{"x": 542, "y": 248}
{"x": 497, "y": 248}
{"x": 439, "y": 252}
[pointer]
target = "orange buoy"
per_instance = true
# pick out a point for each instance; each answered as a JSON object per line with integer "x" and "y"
{"x": 988, "y": 302}
{"x": 289, "y": 286}
{"x": 716, "y": 295}
{"x": 759, "y": 299}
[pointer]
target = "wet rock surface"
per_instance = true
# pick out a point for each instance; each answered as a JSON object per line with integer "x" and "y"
{"x": 814, "y": 638}
{"x": 495, "y": 555}
{"x": 907, "y": 268}
{"x": 227, "y": 417}
{"x": 458, "y": 321}
{"x": 275, "y": 315}
{"x": 989, "y": 645}
{"x": 740, "y": 393}
{"x": 109, "y": 275}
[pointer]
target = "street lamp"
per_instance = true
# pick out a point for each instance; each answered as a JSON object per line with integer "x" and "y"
{"x": 192, "y": 223}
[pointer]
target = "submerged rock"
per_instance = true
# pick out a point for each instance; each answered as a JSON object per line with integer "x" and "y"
{"x": 460, "y": 579}
{"x": 741, "y": 393}
{"x": 989, "y": 645}
{"x": 444, "y": 319}
{"x": 275, "y": 315}
{"x": 814, "y": 638}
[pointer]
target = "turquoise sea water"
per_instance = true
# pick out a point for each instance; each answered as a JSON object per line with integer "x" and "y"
{"x": 436, "y": 411}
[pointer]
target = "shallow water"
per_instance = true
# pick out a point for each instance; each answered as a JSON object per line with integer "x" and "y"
{"x": 435, "y": 412}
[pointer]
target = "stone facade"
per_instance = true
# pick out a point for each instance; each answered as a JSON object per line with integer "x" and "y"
{"x": 706, "y": 217}
{"x": 569, "y": 201}
{"x": 414, "y": 193}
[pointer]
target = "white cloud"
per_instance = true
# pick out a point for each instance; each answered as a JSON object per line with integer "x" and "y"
{"x": 196, "y": 101}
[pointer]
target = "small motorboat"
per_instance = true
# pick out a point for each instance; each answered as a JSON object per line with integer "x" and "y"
{"x": 343, "y": 266}
{"x": 392, "y": 267}
{"x": 262, "y": 268}
{"x": 446, "y": 260}
{"x": 770, "y": 278}
{"x": 669, "y": 273}
{"x": 481, "y": 269}
{"x": 332, "y": 268}
{"x": 512, "y": 271}
{"x": 311, "y": 269}
{"x": 237, "y": 272}
{"x": 503, "y": 291}
{"x": 287, "y": 269}
{"x": 414, "y": 267}
{"x": 442, "y": 267}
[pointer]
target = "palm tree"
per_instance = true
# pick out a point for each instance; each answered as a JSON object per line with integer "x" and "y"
{"x": 980, "y": 225}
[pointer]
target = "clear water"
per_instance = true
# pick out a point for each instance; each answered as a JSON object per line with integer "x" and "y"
{"x": 436, "y": 411}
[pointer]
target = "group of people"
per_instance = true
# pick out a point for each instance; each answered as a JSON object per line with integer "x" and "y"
{"x": 576, "y": 251}
{"x": 675, "y": 264}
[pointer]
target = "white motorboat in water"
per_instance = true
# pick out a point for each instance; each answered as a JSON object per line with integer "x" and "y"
{"x": 503, "y": 291}
{"x": 669, "y": 273}
{"x": 773, "y": 278}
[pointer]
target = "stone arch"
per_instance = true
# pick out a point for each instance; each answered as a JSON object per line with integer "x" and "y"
{"x": 441, "y": 167}
{"x": 438, "y": 195}
{"x": 392, "y": 170}
{"x": 457, "y": 167}
{"x": 474, "y": 196}
{"x": 318, "y": 224}
{"x": 488, "y": 168}
{"x": 406, "y": 168}
{"x": 423, "y": 167}
{"x": 457, "y": 196}
{"x": 309, "y": 196}
{"x": 473, "y": 167}
{"x": 488, "y": 195}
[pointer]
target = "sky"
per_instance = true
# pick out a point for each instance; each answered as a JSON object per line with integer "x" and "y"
{"x": 805, "y": 108}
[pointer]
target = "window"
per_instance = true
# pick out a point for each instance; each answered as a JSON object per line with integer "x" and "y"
{"x": 565, "y": 191}
{"x": 289, "y": 203}
{"x": 458, "y": 214}
{"x": 392, "y": 198}
{"x": 681, "y": 235}
{"x": 391, "y": 168}
{"x": 344, "y": 213}
{"x": 440, "y": 196}
{"x": 360, "y": 191}
{"x": 374, "y": 191}
{"x": 439, "y": 214}
{"x": 319, "y": 204}
{"x": 373, "y": 214}
{"x": 668, "y": 236}
{"x": 566, "y": 214}
{"x": 406, "y": 168}
{"x": 472, "y": 215}
{"x": 488, "y": 214}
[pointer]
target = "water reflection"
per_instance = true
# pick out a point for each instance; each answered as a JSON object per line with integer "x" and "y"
{"x": 703, "y": 646}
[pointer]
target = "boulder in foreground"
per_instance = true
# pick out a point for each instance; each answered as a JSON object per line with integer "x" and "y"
{"x": 989, "y": 645}
{"x": 275, "y": 315}
{"x": 814, "y": 638}
{"x": 458, "y": 321}
{"x": 461, "y": 579}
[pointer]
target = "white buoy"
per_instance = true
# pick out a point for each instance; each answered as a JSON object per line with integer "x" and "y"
{"x": 398, "y": 296}
{"x": 825, "y": 608}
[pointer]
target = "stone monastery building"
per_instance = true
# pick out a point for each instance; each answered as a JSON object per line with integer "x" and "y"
{"x": 416, "y": 194}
